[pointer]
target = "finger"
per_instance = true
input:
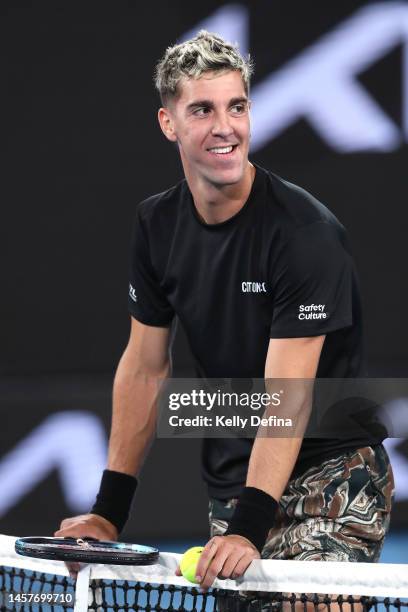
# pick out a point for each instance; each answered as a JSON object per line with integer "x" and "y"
{"x": 215, "y": 566}
{"x": 231, "y": 563}
{"x": 74, "y": 520}
{"x": 68, "y": 521}
{"x": 79, "y": 531}
{"x": 178, "y": 572}
{"x": 65, "y": 533}
{"x": 242, "y": 565}
{"x": 63, "y": 525}
{"x": 60, "y": 533}
{"x": 73, "y": 569}
{"x": 206, "y": 556}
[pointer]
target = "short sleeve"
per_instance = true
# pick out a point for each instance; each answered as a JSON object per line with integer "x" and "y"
{"x": 147, "y": 301}
{"x": 312, "y": 284}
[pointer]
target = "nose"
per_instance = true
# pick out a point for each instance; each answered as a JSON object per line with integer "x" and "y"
{"x": 222, "y": 126}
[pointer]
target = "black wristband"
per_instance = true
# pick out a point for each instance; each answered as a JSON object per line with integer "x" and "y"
{"x": 115, "y": 497}
{"x": 253, "y": 516}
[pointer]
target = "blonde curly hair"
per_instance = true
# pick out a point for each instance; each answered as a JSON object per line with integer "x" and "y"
{"x": 205, "y": 52}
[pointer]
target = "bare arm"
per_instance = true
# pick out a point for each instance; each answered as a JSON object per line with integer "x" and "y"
{"x": 142, "y": 368}
{"x": 272, "y": 459}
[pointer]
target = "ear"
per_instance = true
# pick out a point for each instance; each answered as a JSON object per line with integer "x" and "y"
{"x": 167, "y": 124}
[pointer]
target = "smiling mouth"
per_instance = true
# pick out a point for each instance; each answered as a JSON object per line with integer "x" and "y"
{"x": 222, "y": 150}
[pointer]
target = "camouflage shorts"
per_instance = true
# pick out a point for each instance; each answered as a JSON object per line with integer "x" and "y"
{"x": 337, "y": 511}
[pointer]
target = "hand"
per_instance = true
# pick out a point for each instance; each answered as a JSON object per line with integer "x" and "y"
{"x": 85, "y": 525}
{"x": 225, "y": 557}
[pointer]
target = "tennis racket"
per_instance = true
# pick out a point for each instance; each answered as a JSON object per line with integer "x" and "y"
{"x": 87, "y": 550}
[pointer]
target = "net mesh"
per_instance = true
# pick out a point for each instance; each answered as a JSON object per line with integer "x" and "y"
{"x": 37, "y": 585}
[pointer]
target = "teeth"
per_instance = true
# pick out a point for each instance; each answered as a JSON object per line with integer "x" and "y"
{"x": 221, "y": 149}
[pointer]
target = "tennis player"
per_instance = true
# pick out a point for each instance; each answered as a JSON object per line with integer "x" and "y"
{"x": 260, "y": 275}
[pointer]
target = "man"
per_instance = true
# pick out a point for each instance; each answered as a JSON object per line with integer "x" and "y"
{"x": 260, "y": 275}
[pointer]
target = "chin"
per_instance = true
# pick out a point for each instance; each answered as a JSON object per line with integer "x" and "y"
{"x": 227, "y": 176}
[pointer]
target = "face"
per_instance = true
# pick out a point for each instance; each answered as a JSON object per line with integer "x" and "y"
{"x": 210, "y": 122}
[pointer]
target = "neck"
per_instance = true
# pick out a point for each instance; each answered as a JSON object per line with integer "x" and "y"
{"x": 218, "y": 203}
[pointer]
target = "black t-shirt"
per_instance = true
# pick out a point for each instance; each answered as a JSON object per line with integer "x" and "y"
{"x": 280, "y": 268}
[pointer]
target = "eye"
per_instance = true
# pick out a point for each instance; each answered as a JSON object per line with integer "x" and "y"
{"x": 239, "y": 109}
{"x": 202, "y": 111}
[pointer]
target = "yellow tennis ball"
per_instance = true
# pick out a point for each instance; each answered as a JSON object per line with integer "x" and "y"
{"x": 189, "y": 561}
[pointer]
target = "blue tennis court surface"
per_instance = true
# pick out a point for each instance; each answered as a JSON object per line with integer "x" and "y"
{"x": 395, "y": 548}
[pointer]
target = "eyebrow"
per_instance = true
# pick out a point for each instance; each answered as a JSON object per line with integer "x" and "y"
{"x": 210, "y": 104}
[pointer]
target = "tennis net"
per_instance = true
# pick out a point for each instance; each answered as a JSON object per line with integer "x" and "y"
{"x": 38, "y": 585}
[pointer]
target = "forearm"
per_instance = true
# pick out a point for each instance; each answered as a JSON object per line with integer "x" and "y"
{"x": 271, "y": 464}
{"x": 290, "y": 370}
{"x": 134, "y": 414}
{"x": 273, "y": 458}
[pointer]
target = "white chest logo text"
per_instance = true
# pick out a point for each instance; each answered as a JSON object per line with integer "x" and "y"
{"x": 251, "y": 287}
